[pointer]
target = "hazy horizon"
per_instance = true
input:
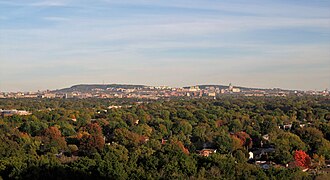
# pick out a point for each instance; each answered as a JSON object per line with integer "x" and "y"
{"x": 187, "y": 85}
{"x": 56, "y": 44}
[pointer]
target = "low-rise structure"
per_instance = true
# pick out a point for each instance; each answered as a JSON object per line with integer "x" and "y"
{"x": 207, "y": 152}
{"x": 6, "y": 113}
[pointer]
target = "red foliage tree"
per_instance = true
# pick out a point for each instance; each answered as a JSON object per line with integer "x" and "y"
{"x": 93, "y": 129}
{"x": 91, "y": 138}
{"x": 52, "y": 137}
{"x": 302, "y": 159}
{"x": 89, "y": 142}
{"x": 244, "y": 138}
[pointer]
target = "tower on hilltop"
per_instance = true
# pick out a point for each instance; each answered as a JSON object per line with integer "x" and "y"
{"x": 230, "y": 87}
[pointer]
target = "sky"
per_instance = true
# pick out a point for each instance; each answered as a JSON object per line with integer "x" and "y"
{"x": 52, "y": 44}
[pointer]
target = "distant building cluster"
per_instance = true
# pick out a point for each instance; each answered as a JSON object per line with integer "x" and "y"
{"x": 44, "y": 94}
{"x": 6, "y": 113}
{"x": 156, "y": 92}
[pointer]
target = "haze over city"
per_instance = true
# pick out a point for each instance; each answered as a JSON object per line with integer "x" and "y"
{"x": 59, "y": 43}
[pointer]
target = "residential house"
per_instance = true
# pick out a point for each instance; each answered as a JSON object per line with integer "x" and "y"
{"x": 207, "y": 152}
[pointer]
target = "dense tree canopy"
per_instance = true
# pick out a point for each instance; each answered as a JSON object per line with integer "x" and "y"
{"x": 164, "y": 139}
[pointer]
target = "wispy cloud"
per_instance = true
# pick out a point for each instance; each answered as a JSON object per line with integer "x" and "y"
{"x": 271, "y": 8}
{"x": 36, "y": 3}
{"x": 49, "y": 3}
{"x": 201, "y": 40}
{"x": 56, "y": 18}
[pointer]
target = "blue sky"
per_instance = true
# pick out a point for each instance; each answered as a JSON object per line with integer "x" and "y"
{"x": 58, "y": 43}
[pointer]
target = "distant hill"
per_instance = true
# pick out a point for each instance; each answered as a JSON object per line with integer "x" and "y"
{"x": 225, "y": 87}
{"x": 204, "y": 86}
{"x": 90, "y": 87}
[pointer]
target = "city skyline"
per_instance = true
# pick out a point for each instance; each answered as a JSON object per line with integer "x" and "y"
{"x": 223, "y": 86}
{"x": 60, "y": 43}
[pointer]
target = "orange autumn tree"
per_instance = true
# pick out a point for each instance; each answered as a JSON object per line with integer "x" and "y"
{"x": 181, "y": 146}
{"x": 91, "y": 138}
{"x": 91, "y": 143}
{"x": 93, "y": 128}
{"x": 302, "y": 159}
{"x": 52, "y": 138}
{"x": 245, "y": 139}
